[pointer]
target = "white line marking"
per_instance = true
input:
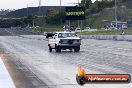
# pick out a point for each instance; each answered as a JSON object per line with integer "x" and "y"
{"x": 5, "y": 79}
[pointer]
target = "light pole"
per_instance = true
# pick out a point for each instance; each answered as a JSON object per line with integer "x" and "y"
{"x": 116, "y": 13}
{"x": 27, "y": 16}
{"x": 78, "y": 20}
{"x": 60, "y": 13}
{"x": 85, "y": 11}
{"x": 39, "y": 7}
{"x": 60, "y": 2}
{"x": 27, "y": 10}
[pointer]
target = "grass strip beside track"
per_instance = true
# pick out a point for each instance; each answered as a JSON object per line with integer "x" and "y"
{"x": 99, "y": 32}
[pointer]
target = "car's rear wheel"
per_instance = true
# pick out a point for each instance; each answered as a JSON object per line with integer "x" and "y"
{"x": 47, "y": 36}
{"x": 50, "y": 49}
{"x": 70, "y": 50}
{"x": 77, "y": 49}
{"x": 57, "y": 49}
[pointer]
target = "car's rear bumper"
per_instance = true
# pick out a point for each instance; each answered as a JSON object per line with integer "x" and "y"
{"x": 68, "y": 46}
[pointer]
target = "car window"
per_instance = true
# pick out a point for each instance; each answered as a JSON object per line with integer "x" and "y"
{"x": 64, "y": 35}
{"x": 71, "y": 35}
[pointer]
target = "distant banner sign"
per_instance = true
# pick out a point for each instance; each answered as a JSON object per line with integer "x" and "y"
{"x": 75, "y": 13}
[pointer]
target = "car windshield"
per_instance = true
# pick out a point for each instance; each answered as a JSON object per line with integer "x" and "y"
{"x": 64, "y": 35}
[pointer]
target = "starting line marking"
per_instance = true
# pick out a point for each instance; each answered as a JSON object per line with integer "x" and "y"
{"x": 5, "y": 79}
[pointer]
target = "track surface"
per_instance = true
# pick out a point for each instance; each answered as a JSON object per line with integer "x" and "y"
{"x": 14, "y": 31}
{"x": 58, "y": 70}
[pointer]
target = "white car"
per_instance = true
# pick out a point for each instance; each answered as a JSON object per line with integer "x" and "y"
{"x": 88, "y": 29}
{"x": 78, "y": 29}
{"x": 63, "y": 41}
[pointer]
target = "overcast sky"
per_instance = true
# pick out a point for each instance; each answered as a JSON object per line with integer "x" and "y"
{"x": 18, "y": 4}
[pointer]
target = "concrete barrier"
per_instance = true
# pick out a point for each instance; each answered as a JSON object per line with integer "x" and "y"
{"x": 108, "y": 37}
{"x": 5, "y": 79}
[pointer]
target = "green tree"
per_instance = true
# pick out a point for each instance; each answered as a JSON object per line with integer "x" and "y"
{"x": 54, "y": 17}
{"x": 86, "y": 3}
{"x": 105, "y": 4}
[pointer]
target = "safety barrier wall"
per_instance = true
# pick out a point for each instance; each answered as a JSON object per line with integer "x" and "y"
{"x": 108, "y": 37}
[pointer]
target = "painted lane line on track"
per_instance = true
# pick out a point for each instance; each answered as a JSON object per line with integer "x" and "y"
{"x": 5, "y": 79}
{"x": 24, "y": 36}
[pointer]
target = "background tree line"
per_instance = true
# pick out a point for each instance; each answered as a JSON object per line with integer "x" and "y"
{"x": 54, "y": 16}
